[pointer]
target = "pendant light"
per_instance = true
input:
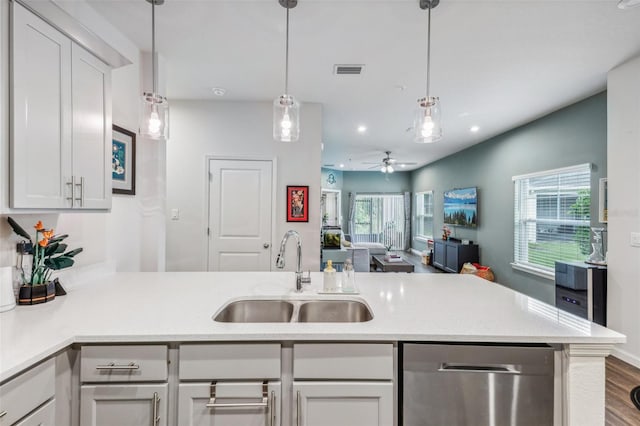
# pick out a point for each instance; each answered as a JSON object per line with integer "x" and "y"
{"x": 427, "y": 124}
{"x": 286, "y": 109}
{"x": 154, "y": 108}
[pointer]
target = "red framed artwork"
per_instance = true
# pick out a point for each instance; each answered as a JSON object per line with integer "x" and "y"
{"x": 297, "y": 204}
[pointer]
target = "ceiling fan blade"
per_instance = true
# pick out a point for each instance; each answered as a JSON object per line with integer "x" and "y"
{"x": 375, "y": 167}
{"x": 371, "y": 162}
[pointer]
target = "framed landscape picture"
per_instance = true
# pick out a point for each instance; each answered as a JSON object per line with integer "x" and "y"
{"x": 297, "y": 204}
{"x": 123, "y": 161}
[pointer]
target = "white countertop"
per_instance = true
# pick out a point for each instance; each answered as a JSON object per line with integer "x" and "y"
{"x": 178, "y": 306}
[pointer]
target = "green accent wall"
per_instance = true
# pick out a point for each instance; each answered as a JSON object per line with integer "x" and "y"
{"x": 573, "y": 135}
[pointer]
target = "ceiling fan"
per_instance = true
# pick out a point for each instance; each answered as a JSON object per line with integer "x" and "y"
{"x": 387, "y": 163}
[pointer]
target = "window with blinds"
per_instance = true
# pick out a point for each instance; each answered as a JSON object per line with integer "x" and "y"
{"x": 424, "y": 215}
{"x": 552, "y": 218}
{"x": 379, "y": 218}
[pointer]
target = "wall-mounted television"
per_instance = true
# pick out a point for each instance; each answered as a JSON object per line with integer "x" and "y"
{"x": 461, "y": 207}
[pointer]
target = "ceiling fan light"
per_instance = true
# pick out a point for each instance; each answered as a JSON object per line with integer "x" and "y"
{"x": 286, "y": 119}
{"x": 427, "y": 123}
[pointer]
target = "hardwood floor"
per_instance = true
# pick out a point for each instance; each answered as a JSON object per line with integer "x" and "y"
{"x": 621, "y": 378}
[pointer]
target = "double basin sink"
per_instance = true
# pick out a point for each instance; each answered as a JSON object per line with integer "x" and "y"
{"x": 278, "y": 310}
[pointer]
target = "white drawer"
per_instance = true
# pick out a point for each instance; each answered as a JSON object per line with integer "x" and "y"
{"x": 20, "y": 396}
{"x": 352, "y": 361}
{"x": 230, "y": 361}
{"x": 43, "y": 416}
{"x": 135, "y": 363}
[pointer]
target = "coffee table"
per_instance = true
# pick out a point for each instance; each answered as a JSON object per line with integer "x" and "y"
{"x": 385, "y": 266}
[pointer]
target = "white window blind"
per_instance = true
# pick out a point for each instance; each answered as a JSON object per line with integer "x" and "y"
{"x": 424, "y": 214}
{"x": 552, "y": 218}
{"x": 379, "y": 218}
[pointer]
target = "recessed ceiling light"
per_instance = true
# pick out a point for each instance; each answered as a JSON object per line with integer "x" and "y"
{"x": 341, "y": 166}
{"x": 474, "y": 129}
{"x": 219, "y": 91}
{"x": 362, "y": 128}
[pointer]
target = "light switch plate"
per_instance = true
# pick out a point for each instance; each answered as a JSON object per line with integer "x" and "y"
{"x": 175, "y": 214}
{"x": 635, "y": 239}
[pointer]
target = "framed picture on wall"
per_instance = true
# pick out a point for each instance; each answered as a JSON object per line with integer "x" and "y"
{"x": 123, "y": 161}
{"x": 297, "y": 204}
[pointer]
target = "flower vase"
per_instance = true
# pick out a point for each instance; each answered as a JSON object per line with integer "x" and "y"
{"x": 35, "y": 294}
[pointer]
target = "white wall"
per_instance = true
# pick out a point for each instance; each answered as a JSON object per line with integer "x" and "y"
{"x": 115, "y": 239}
{"x": 623, "y": 157}
{"x": 201, "y": 128}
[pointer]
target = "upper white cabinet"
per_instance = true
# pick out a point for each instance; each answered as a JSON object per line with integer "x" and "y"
{"x": 61, "y": 120}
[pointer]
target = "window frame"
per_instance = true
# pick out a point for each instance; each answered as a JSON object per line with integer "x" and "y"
{"x": 417, "y": 217}
{"x": 521, "y": 219}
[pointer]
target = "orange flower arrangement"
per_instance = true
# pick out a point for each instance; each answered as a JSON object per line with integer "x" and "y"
{"x": 48, "y": 253}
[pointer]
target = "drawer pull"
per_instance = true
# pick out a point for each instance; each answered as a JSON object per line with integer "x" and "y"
{"x": 4, "y": 413}
{"x": 114, "y": 366}
{"x": 264, "y": 403}
{"x": 298, "y": 409}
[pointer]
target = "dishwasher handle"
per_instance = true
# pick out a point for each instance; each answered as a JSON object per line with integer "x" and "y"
{"x": 446, "y": 367}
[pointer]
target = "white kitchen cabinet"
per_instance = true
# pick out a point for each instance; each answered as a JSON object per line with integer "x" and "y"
{"x": 113, "y": 390}
{"x": 342, "y": 403}
{"x": 235, "y": 404}
{"x": 61, "y": 120}
{"x": 123, "y": 405}
{"x": 43, "y": 416}
{"x": 28, "y": 393}
{"x": 230, "y": 384}
{"x": 343, "y": 384}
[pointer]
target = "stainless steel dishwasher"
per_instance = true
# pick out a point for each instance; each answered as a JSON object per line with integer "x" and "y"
{"x": 476, "y": 385}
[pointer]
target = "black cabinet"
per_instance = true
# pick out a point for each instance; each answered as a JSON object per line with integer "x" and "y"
{"x": 451, "y": 255}
{"x": 581, "y": 289}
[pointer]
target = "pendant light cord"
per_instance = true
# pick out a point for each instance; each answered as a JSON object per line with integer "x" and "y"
{"x": 428, "y": 52}
{"x": 286, "y": 66}
{"x": 153, "y": 45}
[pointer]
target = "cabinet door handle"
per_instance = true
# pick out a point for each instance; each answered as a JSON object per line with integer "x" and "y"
{"x": 81, "y": 185}
{"x": 264, "y": 403}
{"x": 298, "y": 409}
{"x": 114, "y": 366}
{"x": 72, "y": 184}
{"x": 156, "y": 403}
{"x": 272, "y": 409}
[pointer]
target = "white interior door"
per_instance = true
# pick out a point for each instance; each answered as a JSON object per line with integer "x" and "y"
{"x": 240, "y": 215}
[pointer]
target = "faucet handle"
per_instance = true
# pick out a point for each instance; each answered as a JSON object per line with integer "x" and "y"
{"x": 306, "y": 279}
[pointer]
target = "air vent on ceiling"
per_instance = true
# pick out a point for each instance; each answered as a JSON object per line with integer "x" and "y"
{"x": 348, "y": 69}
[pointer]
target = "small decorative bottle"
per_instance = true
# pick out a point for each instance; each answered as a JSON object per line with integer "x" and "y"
{"x": 329, "y": 278}
{"x": 348, "y": 277}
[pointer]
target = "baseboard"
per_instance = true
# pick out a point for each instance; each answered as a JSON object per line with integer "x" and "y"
{"x": 416, "y": 252}
{"x": 626, "y": 357}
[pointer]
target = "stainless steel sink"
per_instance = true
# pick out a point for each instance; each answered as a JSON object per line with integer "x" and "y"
{"x": 256, "y": 311}
{"x": 277, "y": 310}
{"x": 334, "y": 311}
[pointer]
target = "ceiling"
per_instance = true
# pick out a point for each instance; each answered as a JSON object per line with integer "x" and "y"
{"x": 494, "y": 64}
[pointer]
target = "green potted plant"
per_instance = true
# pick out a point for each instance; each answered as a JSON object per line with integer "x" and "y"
{"x": 49, "y": 254}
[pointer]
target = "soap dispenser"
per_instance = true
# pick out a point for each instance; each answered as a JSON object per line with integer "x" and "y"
{"x": 329, "y": 278}
{"x": 348, "y": 277}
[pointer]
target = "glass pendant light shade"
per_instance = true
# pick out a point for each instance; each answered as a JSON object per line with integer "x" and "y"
{"x": 427, "y": 124}
{"x": 286, "y": 119}
{"x": 154, "y": 116}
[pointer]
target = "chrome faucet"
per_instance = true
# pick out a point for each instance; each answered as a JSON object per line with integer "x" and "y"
{"x": 280, "y": 258}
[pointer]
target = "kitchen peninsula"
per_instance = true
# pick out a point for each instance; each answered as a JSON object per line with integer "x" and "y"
{"x": 176, "y": 309}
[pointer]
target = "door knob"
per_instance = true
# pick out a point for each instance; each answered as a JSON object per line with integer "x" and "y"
{"x": 265, "y": 245}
